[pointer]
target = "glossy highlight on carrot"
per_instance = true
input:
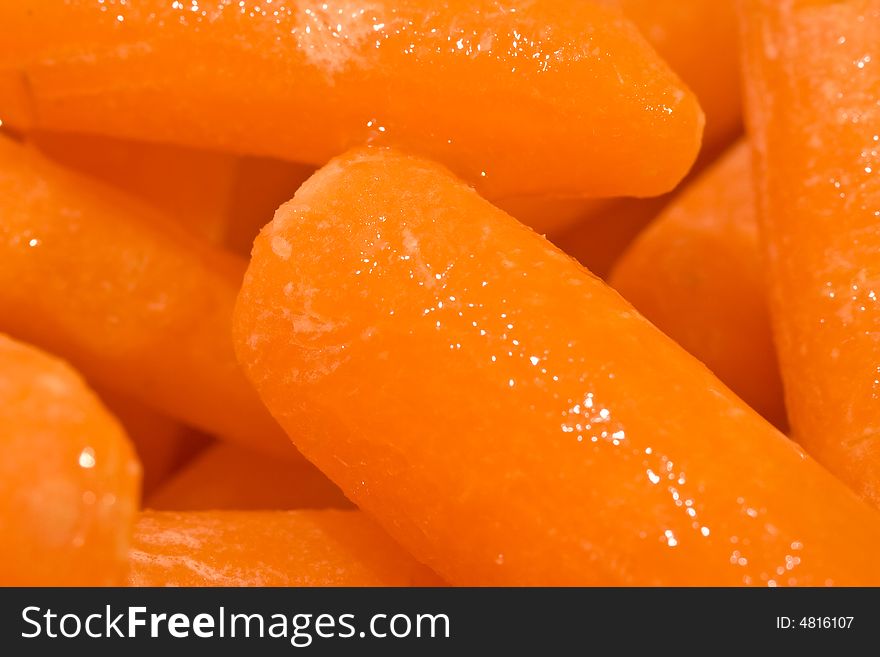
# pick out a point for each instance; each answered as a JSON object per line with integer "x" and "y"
{"x": 700, "y": 42}
{"x": 133, "y": 301}
{"x": 283, "y": 548}
{"x": 697, "y": 274}
{"x": 817, "y": 156}
{"x": 507, "y": 417}
{"x": 550, "y": 97}
{"x": 68, "y": 480}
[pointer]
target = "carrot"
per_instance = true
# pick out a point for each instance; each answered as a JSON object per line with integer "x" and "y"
{"x": 163, "y": 445}
{"x": 68, "y": 480}
{"x": 506, "y": 416}
{"x": 696, "y": 274}
{"x": 185, "y": 184}
{"x": 229, "y": 477}
{"x": 698, "y": 39}
{"x": 254, "y": 548}
{"x": 599, "y": 237}
{"x": 136, "y": 304}
{"x": 700, "y": 42}
{"x": 812, "y": 86}
{"x": 536, "y": 96}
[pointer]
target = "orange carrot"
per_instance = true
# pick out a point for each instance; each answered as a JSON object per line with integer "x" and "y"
{"x": 229, "y": 477}
{"x": 537, "y": 96}
{"x": 187, "y": 185}
{"x": 266, "y": 548}
{"x": 698, "y": 39}
{"x": 135, "y": 303}
{"x": 506, "y": 416}
{"x": 696, "y": 274}
{"x": 68, "y": 479}
{"x": 812, "y": 86}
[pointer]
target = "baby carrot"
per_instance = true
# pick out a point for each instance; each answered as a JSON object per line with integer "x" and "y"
{"x": 68, "y": 479}
{"x": 535, "y": 96}
{"x": 188, "y": 185}
{"x": 700, "y": 42}
{"x": 163, "y": 445}
{"x": 229, "y": 477}
{"x": 696, "y": 274}
{"x": 506, "y": 416}
{"x": 137, "y": 304}
{"x": 698, "y": 39}
{"x": 269, "y": 548}
{"x": 812, "y": 85}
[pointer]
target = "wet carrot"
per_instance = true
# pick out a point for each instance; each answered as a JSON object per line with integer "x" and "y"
{"x": 698, "y": 39}
{"x": 812, "y": 85}
{"x": 190, "y": 186}
{"x": 134, "y": 302}
{"x": 269, "y": 548}
{"x": 506, "y": 416}
{"x": 543, "y": 96}
{"x": 230, "y": 477}
{"x": 700, "y": 42}
{"x": 163, "y": 445}
{"x": 696, "y": 274}
{"x": 68, "y": 480}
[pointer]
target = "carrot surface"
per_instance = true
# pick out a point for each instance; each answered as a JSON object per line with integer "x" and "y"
{"x": 137, "y": 304}
{"x": 696, "y": 273}
{"x": 812, "y": 87}
{"x": 506, "y": 416}
{"x": 700, "y": 42}
{"x": 68, "y": 480}
{"x": 537, "y": 96}
{"x": 265, "y": 548}
{"x": 227, "y": 476}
